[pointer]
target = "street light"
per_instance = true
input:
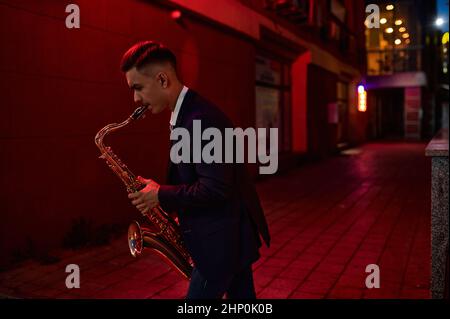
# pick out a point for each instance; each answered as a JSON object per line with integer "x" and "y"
{"x": 390, "y": 7}
{"x": 383, "y": 20}
{"x": 389, "y": 30}
{"x": 439, "y": 21}
{"x": 398, "y": 22}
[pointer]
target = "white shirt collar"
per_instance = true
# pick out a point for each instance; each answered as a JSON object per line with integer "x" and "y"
{"x": 174, "y": 115}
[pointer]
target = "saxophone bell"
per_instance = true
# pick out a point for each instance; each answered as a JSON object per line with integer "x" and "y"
{"x": 135, "y": 239}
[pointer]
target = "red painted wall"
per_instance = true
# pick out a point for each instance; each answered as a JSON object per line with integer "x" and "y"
{"x": 59, "y": 86}
{"x": 321, "y": 91}
{"x": 300, "y": 102}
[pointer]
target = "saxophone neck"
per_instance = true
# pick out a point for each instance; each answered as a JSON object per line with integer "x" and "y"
{"x": 137, "y": 114}
{"x": 113, "y": 161}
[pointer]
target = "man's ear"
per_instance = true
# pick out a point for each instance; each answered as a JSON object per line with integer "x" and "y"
{"x": 163, "y": 79}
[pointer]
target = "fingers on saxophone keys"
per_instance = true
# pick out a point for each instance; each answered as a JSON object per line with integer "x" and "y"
{"x": 134, "y": 195}
{"x": 137, "y": 201}
{"x": 141, "y": 206}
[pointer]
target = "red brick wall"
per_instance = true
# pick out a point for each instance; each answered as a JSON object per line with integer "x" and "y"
{"x": 59, "y": 86}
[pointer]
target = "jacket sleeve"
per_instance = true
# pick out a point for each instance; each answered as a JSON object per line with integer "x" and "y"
{"x": 214, "y": 185}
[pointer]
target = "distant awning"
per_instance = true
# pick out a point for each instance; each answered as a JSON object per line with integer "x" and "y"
{"x": 396, "y": 80}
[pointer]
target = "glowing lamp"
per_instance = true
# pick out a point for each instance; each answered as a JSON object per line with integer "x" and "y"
{"x": 176, "y": 14}
{"x": 362, "y": 99}
{"x": 445, "y": 38}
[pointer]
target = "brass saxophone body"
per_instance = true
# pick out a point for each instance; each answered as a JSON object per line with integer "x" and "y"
{"x": 159, "y": 231}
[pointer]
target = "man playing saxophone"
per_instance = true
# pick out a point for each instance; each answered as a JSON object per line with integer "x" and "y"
{"x": 218, "y": 209}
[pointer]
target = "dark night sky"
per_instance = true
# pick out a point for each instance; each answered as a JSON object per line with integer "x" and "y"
{"x": 443, "y": 13}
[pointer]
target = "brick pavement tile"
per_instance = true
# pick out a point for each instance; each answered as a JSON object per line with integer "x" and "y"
{"x": 109, "y": 278}
{"x": 99, "y": 270}
{"x": 271, "y": 293}
{"x": 284, "y": 284}
{"x": 315, "y": 287}
{"x": 167, "y": 279}
{"x": 15, "y": 271}
{"x": 304, "y": 264}
{"x": 352, "y": 281}
{"x": 337, "y": 260}
{"x": 294, "y": 273}
{"x": 330, "y": 268}
{"x": 276, "y": 262}
{"x": 262, "y": 276}
{"x": 323, "y": 277}
{"x": 305, "y": 295}
{"x": 88, "y": 289}
{"x": 176, "y": 291}
{"x": 289, "y": 252}
{"x": 46, "y": 293}
{"x": 415, "y": 294}
{"x": 25, "y": 291}
{"x": 387, "y": 290}
{"x": 56, "y": 279}
{"x": 345, "y": 293}
{"x": 149, "y": 274}
{"x": 27, "y": 276}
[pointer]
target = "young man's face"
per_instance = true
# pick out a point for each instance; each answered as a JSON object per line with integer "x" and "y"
{"x": 147, "y": 90}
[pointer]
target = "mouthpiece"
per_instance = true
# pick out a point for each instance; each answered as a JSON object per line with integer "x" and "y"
{"x": 139, "y": 112}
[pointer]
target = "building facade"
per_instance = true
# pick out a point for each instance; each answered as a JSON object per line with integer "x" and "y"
{"x": 402, "y": 70}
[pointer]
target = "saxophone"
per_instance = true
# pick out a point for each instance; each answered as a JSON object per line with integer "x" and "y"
{"x": 159, "y": 231}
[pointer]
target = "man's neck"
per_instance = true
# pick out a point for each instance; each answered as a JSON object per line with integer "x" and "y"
{"x": 176, "y": 94}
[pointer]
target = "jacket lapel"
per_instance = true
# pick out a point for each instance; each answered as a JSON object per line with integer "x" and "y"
{"x": 185, "y": 106}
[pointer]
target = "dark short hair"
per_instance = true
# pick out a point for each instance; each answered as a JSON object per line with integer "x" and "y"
{"x": 144, "y": 53}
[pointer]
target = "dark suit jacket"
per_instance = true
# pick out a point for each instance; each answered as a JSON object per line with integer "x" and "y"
{"x": 218, "y": 207}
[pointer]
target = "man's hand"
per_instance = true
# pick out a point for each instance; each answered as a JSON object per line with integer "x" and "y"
{"x": 147, "y": 198}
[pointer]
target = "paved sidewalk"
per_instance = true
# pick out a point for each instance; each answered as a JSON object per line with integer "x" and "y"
{"x": 328, "y": 221}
